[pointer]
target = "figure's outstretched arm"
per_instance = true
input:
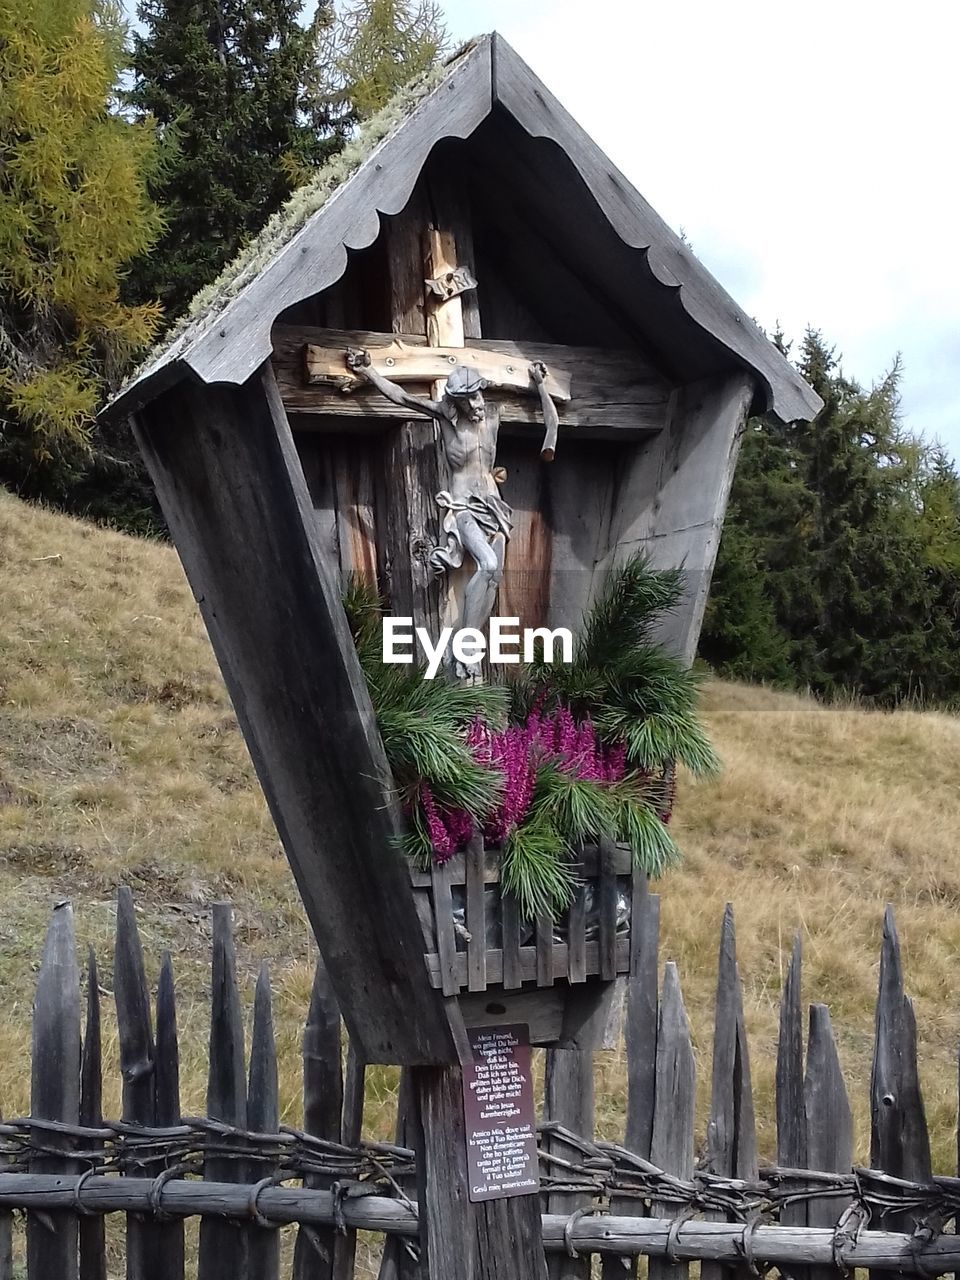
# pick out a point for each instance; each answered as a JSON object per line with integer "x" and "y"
{"x": 551, "y": 421}
{"x": 358, "y": 362}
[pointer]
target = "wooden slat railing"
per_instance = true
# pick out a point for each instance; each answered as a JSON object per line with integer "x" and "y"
{"x": 60, "y": 1165}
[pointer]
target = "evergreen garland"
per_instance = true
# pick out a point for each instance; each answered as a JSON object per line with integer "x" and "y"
{"x": 557, "y": 758}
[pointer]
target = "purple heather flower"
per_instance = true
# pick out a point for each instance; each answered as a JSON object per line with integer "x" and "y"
{"x": 516, "y": 752}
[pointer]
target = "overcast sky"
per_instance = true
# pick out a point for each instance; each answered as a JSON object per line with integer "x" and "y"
{"x": 809, "y": 151}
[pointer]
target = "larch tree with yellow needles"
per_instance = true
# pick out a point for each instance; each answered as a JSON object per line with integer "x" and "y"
{"x": 73, "y": 210}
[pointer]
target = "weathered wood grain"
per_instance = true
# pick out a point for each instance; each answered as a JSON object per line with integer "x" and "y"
{"x": 717, "y": 1241}
{"x": 93, "y": 1249}
{"x": 223, "y": 1251}
{"x": 138, "y": 1071}
{"x": 515, "y": 965}
{"x": 568, "y": 1100}
{"x": 263, "y": 1116}
{"x": 674, "y": 496}
{"x": 671, "y": 1144}
{"x": 731, "y": 1134}
{"x": 640, "y": 1029}
{"x": 898, "y": 1127}
{"x": 324, "y": 367}
{"x": 608, "y": 911}
{"x": 476, "y": 914}
{"x": 485, "y": 1241}
{"x": 510, "y": 974}
{"x": 169, "y": 1237}
{"x": 280, "y": 635}
{"x": 791, "y": 1117}
{"x": 322, "y": 1114}
{"x": 52, "y": 1238}
{"x": 829, "y": 1142}
{"x": 641, "y": 1014}
{"x": 401, "y": 1255}
{"x": 577, "y": 936}
{"x": 446, "y": 940}
{"x": 354, "y": 1084}
{"x": 616, "y": 390}
{"x": 409, "y": 469}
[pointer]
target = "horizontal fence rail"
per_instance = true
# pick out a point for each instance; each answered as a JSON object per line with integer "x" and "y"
{"x": 812, "y": 1215}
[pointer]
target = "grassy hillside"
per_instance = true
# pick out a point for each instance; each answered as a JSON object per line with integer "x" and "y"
{"x": 120, "y": 761}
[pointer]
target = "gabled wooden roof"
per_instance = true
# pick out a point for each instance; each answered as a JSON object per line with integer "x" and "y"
{"x": 680, "y": 312}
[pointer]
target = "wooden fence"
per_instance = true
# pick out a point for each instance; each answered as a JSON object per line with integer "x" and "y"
{"x": 811, "y": 1215}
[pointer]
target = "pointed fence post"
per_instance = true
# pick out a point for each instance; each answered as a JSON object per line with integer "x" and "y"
{"x": 898, "y": 1135}
{"x": 322, "y": 1111}
{"x": 899, "y": 1144}
{"x": 6, "y": 1234}
{"x": 791, "y": 1117}
{"x": 223, "y": 1244}
{"x": 169, "y": 1234}
{"x": 568, "y": 1100}
{"x": 731, "y": 1134}
{"x": 52, "y": 1238}
{"x": 671, "y": 1147}
{"x": 829, "y": 1123}
{"x": 345, "y": 1251}
{"x": 401, "y": 1259}
{"x": 138, "y": 1066}
{"x": 640, "y": 1046}
{"x": 93, "y": 1248}
{"x": 263, "y": 1116}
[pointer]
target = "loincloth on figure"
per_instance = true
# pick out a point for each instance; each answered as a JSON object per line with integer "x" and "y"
{"x": 491, "y": 513}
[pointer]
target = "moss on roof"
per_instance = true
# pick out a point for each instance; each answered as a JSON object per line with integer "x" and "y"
{"x": 293, "y": 216}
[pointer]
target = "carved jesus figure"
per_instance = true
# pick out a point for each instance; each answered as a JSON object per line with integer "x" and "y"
{"x": 475, "y": 519}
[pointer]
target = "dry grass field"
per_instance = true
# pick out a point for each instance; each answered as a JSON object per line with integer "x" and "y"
{"x": 120, "y": 762}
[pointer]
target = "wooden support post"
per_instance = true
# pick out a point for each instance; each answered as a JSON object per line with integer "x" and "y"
{"x": 407, "y": 528}
{"x": 461, "y": 1240}
{"x": 233, "y": 492}
{"x": 675, "y": 494}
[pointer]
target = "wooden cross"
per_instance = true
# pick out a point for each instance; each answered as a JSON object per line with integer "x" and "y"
{"x": 598, "y": 393}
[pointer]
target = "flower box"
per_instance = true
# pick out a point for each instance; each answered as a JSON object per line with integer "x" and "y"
{"x": 555, "y": 975}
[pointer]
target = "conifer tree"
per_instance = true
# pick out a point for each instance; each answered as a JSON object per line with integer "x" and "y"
{"x": 839, "y": 563}
{"x": 372, "y": 48}
{"x": 73, "y": 210}
{"x": 224, "y": 79}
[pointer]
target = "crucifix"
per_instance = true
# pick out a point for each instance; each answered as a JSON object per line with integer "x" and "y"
{"x": 473, "y": 521}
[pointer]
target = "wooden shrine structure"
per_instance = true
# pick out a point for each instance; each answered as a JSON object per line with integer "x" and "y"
{"x": 474, "y": 226}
